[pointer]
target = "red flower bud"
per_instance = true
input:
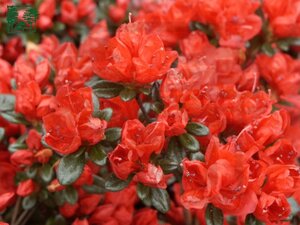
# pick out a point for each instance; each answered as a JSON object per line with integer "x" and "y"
{"x": 22, "y": 157}
{"x": 26, "y": 188}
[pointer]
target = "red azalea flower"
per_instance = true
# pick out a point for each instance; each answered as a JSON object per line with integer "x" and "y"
{"x": 27, "y": 99}
{"x": 143, "y": 140}
{"x": 175, "y": 120}
{"x": 133, "y": 56}
{"x": 62, "y": 134}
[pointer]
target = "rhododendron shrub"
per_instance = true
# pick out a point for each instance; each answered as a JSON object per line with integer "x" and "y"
{"x": 150, "y": 112}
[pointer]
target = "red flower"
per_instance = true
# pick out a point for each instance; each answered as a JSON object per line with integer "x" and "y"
{"x": 26, "y": 188}
{"x": 152, "y": 176}
{"x": 122, "y": 111}
{"x": 68, "y": 12}
{"x": 5, "y": 200}
{"x": 44, "y": 155}
{"x": 172, "y": 87}
{"x": 7, "y": 176}
{"x": 86, "y": 177}
{"x": 143, "y": 140}
{"x": 145, "y": 217}
{"x": 216, "y": 181}
{"x": 133, "y": 56}
{"x": 33, "y": 140}
{"x": 175, "y": 120}
{"x": 68, "y": 210}
{"x": 272, "y": 208}
{"x": 91, "y": 129}
{"x": 271, "y": 127}
{"x": 283, "y": 17}
{"x": 123, "y": 161}
{"x": 282, "y": 151}
{"x": 27, "y": 99}
{"x": 282, "y": 72}
{"x": 22, "y": 158}
{"x": 46, "y": 12}
{"x": 62, "y": 134}
{"x": 88, "y": 204}
{"x": 80, "y": 222}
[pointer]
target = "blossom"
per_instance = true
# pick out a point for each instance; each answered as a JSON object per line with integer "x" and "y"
{"x": 133, "y": 56}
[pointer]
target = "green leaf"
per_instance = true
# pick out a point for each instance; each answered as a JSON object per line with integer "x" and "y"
{"x": 7, "y": 102}
{"x": 113, "y": 134}
{"x": 189, "y": 142}
{"x": 114, "y": 184}
{"x": 267, "y": 49}
{"x": 197, "y": 156}
{"x": 29, "y": 202}
{"x": 197, "y": 129}
{"x": 31, "y": 171}
{"x": 59, "y": 198}
{"x": 251, "y": 220}
{"x": 172, "y": 158}
{"x": 13, "y": 117}
{"x": 46, "y": 173}
{"x": 160, "y": 200}
{"x": 96, "y": 104}
{"x": 127, "y": 94}
{"x": 104, "y": 114}
{"x": 16, "y": 146}
{"x": 157, "y": 107}
{"x": 213, "y": 215}
{"x": 98, "y": 155}
{"x": 93, "y": 189}
{"x": 106, "y": 89}
{"x": 2, "y": 133}
{"x": 144, "y": 193}
{"x": 70, "y": 168}
{"x": 71, "y": 195}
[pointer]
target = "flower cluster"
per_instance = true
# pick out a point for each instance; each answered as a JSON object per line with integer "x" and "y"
{"x": 150, "y": 112}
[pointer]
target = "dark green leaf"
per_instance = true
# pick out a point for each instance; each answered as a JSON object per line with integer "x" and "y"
{"x": 7, "y": 102}
{"x": 46, "y": 173}
{"x": 197, "y": 129}
{"x": 2, "y": 133}
{"x": 251, "y": 220}
{"x": 104, "y": 114}
{"x": 71, "y": 195}
{"x": 213, "y": 215}
{"x": 157, "y": 107}
{"x": 106, "y": 89}
{"x": 189, "y": 142}
{"x": 173, "y": 157}
{"x": 114, "y": 184}
{"x": 96, "y": 104}
{"x": 59, "y": 198}
{"x": 144, "y": 193}
{"x": 16, "y": 146}
{"x": 160, "y": 199}
{"x": 197, "y": 156}
{"x": 31, "y": 171}
{"x": 14, "y": 118}
{"x": 93, "y": 189}
{"x": 70, "y": 168}
{"x": 267, "y": 49}
{"x": 98, "y": 155}
{"x": 29, "y": 202}
{"x": 127, "y": 94}
{"x": 113, "y": 134}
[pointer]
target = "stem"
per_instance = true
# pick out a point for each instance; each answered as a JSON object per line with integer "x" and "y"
{"x": 25, "y": 216}
{"x": 16, "y": 210}
{"x": 140, "y": 103}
